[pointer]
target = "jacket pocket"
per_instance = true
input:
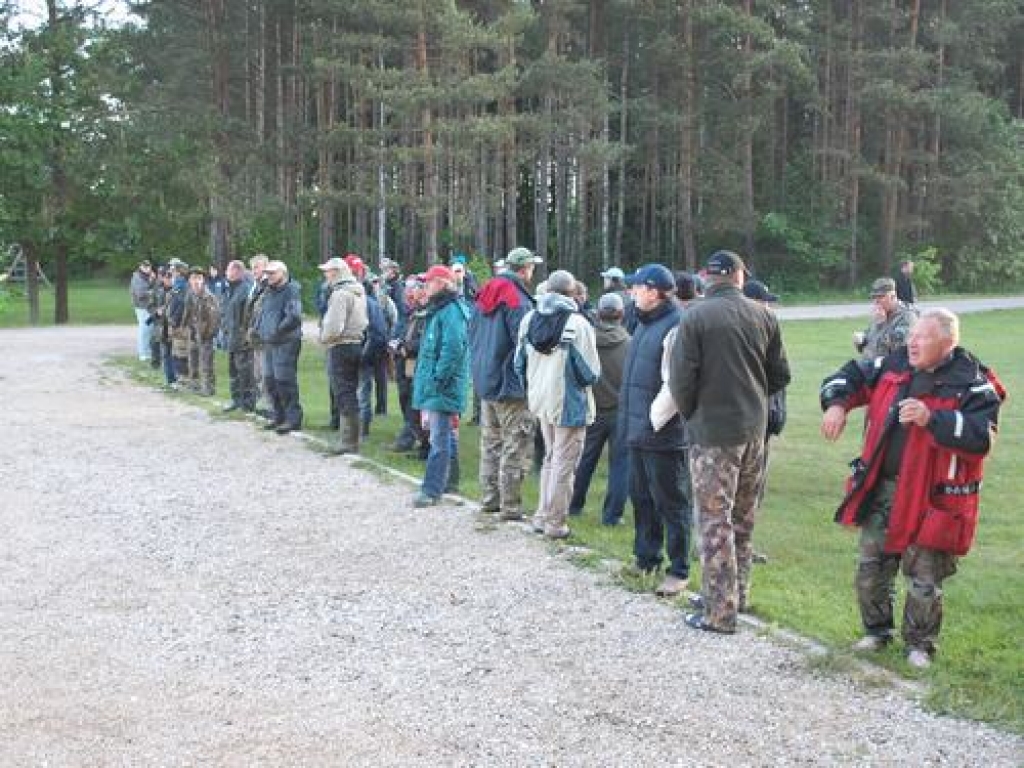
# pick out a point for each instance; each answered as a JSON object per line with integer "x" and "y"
{"x": 948, "y": 529}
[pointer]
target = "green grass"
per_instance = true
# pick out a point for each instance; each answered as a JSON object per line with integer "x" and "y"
{"x": 94, "y": 302}
{"x": 807, "y": 584}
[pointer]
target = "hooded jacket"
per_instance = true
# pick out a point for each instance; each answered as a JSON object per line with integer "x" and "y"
{"x": 558, "y": 381}
{"x": 441, "y": 377}
{"x": 234, "y": 320}
{"x": 493, "y": 335}
{"x": 345, "y": 319}
{"x": 612, "y": 342}
{"x": 941, "y": 467}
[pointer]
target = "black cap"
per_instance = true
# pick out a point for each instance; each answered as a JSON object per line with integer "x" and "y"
{"x": 755, "y": 289}
{"x": 724, "y": 263}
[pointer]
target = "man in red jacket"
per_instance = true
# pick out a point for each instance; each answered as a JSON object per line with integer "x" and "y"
{"x": 932, "y": 415}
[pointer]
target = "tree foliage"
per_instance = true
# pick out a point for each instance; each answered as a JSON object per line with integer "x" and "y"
{"x": 824, "y": 140}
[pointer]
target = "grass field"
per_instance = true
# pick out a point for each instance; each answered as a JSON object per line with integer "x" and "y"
{"x": 807, "y": 584}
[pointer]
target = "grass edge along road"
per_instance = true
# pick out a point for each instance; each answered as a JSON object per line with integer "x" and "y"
{"x": 807, "y": 584}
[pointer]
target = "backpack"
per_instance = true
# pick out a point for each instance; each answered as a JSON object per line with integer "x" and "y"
{"x": 375, "y": 338}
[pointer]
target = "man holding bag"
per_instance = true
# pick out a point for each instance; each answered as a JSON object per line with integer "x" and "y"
{"x": 932, "y": 415}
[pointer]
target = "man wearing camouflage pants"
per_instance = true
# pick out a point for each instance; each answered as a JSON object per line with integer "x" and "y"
{"x": 202, "y": 318}
{"x": 506, "y": 424}
{"x": 727, "y": 359}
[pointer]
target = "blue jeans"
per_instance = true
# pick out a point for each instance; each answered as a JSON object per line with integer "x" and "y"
{"x": 605, "y": 429}
{"x": 145, "y": 333}
{"x": 662, "y": 495}
{"x": 365, "y": 392}
{"x": 444, "y": 445}
{"x": 170, "y": 375}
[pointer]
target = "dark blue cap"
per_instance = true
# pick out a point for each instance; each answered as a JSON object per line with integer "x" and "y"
{"x": 653, "y": 276}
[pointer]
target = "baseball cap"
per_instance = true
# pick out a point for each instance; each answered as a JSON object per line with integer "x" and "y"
{"x": 614, "y": 273}
{"x": 755, "y": 289}
{"x": 356, "y": 264}
{"x": 610, "y": 304}
{"x": 520, "y": 257}
{"x": 653, "y": 276}
{"x": 882, "y": 286}
{"x": 332, "y": 263}
{"x": 439, "y": 272}
{"x": 724, "y": 263}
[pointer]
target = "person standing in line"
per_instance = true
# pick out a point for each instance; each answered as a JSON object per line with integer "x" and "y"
{"x": 141, "y": 291}
{"x": 202, "y": 317}
{"x": 341, "y": 332}
{"x": 890, "y": 322}
{"x": 237, "y": 343}
{"x": 727, "y": 360}
{"x": 441, "y": 379}
{"x": 612, "y": 341}
{"x": 932, "y": 416}
{"x": 252, "y": 310}
{"x": 506, "y": 424}
{"x": 177, "y": 331}
{"x": 405, "y": 347}
{"x": 659, "y": 483}
{"x": 279, "y": 325}
{"x": 906, "y": 291}
{"x": 557, "y": 361}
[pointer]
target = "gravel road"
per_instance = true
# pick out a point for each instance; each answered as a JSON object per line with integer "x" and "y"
{"x": 184, "y": 591}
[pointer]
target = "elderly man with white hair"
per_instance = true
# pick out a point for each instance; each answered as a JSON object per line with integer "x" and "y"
{"x": 932, "y": 412}
{"x": 279, "y": 327}
{"x": 557, "y": 360}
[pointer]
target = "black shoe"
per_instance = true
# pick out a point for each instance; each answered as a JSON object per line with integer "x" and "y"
{"x": 271, "y": 425}
{"x": 230, "y": 407}
{"x": 697, "y": 621}
{"x": 284, "y": 429}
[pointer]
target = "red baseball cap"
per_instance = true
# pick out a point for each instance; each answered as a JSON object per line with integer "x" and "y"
{"x": 439, "y": 272}
{"x": 355, "y": 264}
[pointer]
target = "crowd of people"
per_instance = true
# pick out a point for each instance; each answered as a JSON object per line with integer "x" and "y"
{"x": 680, "y": 376}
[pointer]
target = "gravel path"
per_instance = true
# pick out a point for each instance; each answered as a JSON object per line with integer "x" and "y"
{"x": 180, "y": 591}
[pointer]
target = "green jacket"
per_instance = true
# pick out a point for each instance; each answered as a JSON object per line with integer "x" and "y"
{"x": 442, "y": 365}
{"x": 727, "y": 359}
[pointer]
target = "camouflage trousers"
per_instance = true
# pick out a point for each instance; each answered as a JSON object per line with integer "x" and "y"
{"x": 201, "y": 371}
{"x": 875, "y": 582}
{"x": 727, "y": 483}
{"x": 506, "y": 450}
{"x": 562, "y": 449}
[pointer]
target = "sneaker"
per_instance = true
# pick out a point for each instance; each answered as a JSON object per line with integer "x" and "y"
{"x": 870, "y": 643}
{"x": 423, "y": 500}
{"x": 561, "y": 532}
{"x": 919, "y": 659}
{"x": 672, "y": 586}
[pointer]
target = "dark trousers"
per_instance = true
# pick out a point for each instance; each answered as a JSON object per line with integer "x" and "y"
{"x": 242, "y": 378}
{"x": 380, "y": 383}
{"x": 412, "y": 431}
{"x": 603, "y": 430}
{"x": 170, "y": 376}
{"x": 281, "y": 381}
{"x": 343, "y": 363}
{"x": 660, "y": 489}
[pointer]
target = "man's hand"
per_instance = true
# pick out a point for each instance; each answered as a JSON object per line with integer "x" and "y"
{"x": 913, "y": 411}
{"x": 833, "y": 423}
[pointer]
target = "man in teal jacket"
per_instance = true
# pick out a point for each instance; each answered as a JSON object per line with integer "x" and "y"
{"x": 441, "y": 378}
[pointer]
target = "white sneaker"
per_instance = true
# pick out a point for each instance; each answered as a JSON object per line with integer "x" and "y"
{"x": 870, "y": 643}
{"x": 919, "y": 659}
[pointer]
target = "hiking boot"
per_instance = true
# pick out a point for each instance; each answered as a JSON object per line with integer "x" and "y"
{"x": 870, "y": 643}
{"x": 672, "y": 586}
{"x": 919, "y": 659}
{"x": 698, "y": 621}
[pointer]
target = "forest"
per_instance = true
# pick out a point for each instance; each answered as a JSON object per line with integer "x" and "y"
{"x": 823, "y": 140}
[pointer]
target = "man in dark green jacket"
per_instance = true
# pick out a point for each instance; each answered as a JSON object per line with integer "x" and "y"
{"x": 728, "y": 358}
